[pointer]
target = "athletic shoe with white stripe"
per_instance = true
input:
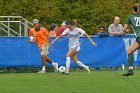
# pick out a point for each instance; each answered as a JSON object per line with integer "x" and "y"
{"x": 87, "y": 69}
{"x": 41, "y": 71}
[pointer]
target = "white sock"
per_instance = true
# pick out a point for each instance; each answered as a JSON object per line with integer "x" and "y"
{"x": 68, "y": 63}
{"x": 80, "y": 64}
{"x": 53, "y": 63}
{"x": 43, "y": 68}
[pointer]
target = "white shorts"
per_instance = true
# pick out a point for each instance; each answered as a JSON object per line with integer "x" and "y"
{"x": 76, "y": 48}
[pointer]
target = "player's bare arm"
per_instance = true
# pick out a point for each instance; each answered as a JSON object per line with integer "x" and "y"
{"x": 48, "y": 37}
{"x": 94, "y": 44}
{"x": 55, "y": 40}
{"x": 125, "y": 28}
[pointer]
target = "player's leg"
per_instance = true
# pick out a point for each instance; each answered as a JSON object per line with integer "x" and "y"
{"x": 130, "y": 51}
{"x": 43, "y": 70}
{"x": 55, "y": 65}
{"x": 68, "y": 55}
{"x": 43, "y": 63}
{"x": 43, "y": 57}
{"x": 79, "y": 63}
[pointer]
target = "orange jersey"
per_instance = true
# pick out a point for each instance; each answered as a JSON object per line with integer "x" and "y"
{"x": 41, "y": 36}
{"x": 52, "y": 33}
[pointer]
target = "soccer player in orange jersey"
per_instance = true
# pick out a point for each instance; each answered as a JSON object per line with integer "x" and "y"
{"x": 41, "y": 36}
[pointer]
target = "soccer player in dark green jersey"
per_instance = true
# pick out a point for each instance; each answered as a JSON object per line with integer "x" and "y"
{"x": 134, "y": 21}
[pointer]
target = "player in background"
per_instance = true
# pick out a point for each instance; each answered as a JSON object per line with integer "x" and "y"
{"x": 74, "y": 35}
{"x": 41, "y": 36}
{"x": 134, "y": 21}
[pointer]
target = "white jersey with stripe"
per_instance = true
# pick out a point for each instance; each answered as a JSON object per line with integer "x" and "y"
{"x": 74, "y": 36}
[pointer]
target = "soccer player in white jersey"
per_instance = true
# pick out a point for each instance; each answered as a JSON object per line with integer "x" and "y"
{"x": 74, "y": 35}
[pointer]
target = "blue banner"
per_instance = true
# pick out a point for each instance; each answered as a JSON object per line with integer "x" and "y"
{"x": 110, "y": 52}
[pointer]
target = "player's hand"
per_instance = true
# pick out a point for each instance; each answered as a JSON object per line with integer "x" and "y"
{"x": 94, "y": 44}
{"x": 51, "y": 44}
{"x": 127, "y": 30}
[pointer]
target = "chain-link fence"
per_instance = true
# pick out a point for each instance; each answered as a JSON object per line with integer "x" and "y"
{"x": 14, "y": 26}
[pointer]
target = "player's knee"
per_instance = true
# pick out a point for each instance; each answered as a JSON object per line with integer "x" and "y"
{"x": 68, "y": 55}
{"x": 43, "y": 55}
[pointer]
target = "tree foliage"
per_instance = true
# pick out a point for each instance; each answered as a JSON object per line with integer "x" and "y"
{"x": 89, "y": 13}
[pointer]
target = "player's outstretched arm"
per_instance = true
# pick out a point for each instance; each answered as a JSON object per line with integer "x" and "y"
{"x": 125, "y": 28}
{"x": 55, "y": 40}
{"x": 94, "y": 44}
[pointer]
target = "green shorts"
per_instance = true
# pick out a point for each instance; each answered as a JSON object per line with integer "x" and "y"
{"x": 138, "y": 40}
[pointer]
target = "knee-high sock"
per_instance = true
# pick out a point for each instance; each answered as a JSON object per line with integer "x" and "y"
{"x": 67, "y": 63}
{"x": 130, "y": 61}
{"x": 80, "y": 64}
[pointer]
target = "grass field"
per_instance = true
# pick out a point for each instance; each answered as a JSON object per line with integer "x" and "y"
{"x": 76, "y": 82}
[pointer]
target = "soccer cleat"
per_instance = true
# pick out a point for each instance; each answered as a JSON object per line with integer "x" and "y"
{"x": 87, "y": 68}
{"x": 129, "y": 73}
{"x": 56, "y": 67}
{"x": 41, "y": 71}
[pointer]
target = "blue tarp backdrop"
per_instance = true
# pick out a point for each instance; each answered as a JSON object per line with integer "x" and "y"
{"x": 110, "y": 51}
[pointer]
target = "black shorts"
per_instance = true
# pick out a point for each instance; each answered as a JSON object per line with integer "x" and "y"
{"x": 138, "y": 40}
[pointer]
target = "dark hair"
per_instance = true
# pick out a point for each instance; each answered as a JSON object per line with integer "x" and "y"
{"x": 101, "y": 27}
{"x": 52, "y": 26}
{"x": 70, "y": 22}
{"x": 136, "y": 7}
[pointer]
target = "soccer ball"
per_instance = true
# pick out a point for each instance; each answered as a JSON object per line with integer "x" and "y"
{"x": 62, "y": 69}
{"x": 31, "y": 39}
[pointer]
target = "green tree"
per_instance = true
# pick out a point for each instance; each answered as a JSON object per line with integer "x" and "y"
{"x": 89, "y": 13}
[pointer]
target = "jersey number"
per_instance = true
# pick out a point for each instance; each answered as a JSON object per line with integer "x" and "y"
{"x": 137, "y": 21}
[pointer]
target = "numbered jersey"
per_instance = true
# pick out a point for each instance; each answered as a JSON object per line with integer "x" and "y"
{"x": 134, "y": 21}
